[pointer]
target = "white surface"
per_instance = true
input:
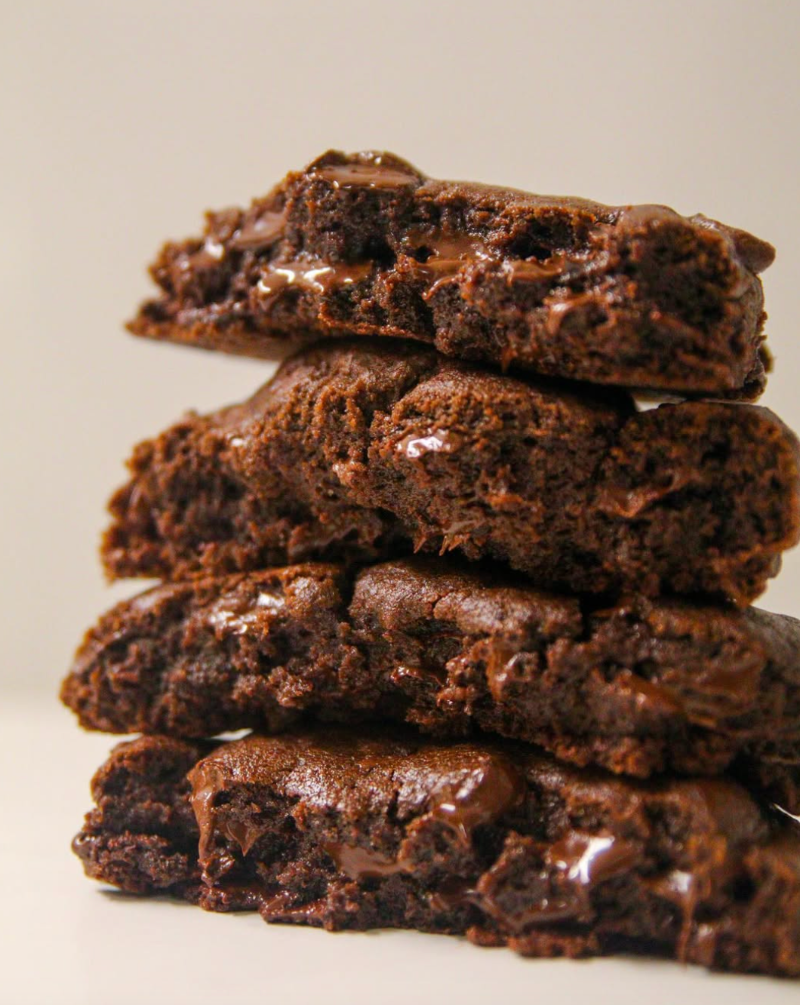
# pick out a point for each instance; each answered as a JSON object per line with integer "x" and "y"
{"x": 68, "y": 941}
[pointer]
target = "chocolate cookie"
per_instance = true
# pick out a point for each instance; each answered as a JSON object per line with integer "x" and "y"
{"x": 387, "y": 830}
{"x": 354, "y": 448}
{"x": 637, "y": 296}
{"x": 640, "y": 687}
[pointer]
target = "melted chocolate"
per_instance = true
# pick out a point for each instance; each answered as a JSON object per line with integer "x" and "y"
{"x": 372, "y": 175}
{"x": 231, "y": 896}
{"x": 589, "y": 859}
{"x": 483, "y": 797}
{"x": 571, "y": 868}
{"x": 486, "y": 795}
{"x": 458, "y": 894}
{"x": 206, "y": 780}
{"x": 260, "y": 233}
{"x": 362, "y": 863}
{"x": 447, "y": 255}
{"x": 564, "y": 905}
{"x": 704, "y": 942}
{"x": 532, "y": 271}
{"x": 442, "y": 247}
{"x": 572, "y": 245}
{"x": 728, "y": 866}
{"x": 244, "y": 833}
{"x": 306, "y": 275}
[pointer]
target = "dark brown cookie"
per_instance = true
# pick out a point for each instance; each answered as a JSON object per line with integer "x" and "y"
{"x": 639, "y": 688}
{"x": 354, "y": 448}
{"x": 637, "y": 296}
{"x": 142, "y": 834}
{"x": 384, "y": 830}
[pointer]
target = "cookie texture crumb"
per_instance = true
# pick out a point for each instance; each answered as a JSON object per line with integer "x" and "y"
{"x": 635, "y": 296}
{"x": 358, "y": 451}
{"x": 640, "y": 687}
{"x": 381, "y": 829}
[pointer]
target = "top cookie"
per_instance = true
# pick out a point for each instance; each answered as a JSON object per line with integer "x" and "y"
{"x": 636, "y": 296}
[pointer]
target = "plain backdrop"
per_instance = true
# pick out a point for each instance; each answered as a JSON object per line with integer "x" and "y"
{"x": 122, "y": 122}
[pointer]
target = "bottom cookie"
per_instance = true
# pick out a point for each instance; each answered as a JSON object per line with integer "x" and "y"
{"x": 384, "y": 829}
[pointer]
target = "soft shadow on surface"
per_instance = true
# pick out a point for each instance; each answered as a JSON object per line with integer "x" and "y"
{"x": 123, "y": 897}
{"x": 641, "y": 965}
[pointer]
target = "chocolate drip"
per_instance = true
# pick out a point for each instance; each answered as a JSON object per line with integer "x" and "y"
{"x": 244, "y": 833}
{"x": 547, "y": 908}
{"x": 206, "y": 257}
{"x": 682, "y": 890}
{"x": 458, "y": 894}
{"x": 232, "y": 896}
{"x": 705, "y": 940}
{"x": 574, "y": 865}
{"x": 483, "y": 797}
{"x": 206, "y": 781}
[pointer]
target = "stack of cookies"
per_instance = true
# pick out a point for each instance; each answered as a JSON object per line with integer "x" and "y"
{"x": 485, "y": 612}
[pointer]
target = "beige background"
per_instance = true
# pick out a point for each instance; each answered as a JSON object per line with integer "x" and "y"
{"x": 121, "y": 122}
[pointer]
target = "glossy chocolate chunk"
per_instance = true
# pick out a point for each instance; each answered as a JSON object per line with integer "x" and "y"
{"x": 636, "y": 296}
{"x": 383, "y": 829}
